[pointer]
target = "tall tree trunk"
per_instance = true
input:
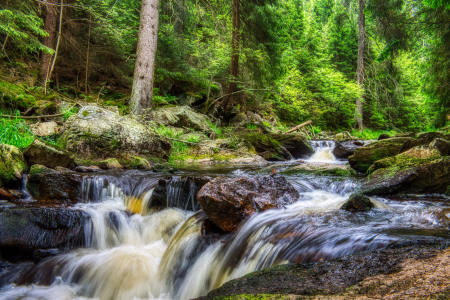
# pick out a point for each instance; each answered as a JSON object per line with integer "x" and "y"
{"x": 235, "y": 43}
{"x": 141, "y": 95}
{"x": 360, "y": 67}
{"x": 49, "y": 41}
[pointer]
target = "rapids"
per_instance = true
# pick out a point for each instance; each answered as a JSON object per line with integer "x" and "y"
{"x": 161, "y": 254}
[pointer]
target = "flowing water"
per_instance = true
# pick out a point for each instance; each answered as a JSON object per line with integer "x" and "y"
{"x": 159, "y": 253}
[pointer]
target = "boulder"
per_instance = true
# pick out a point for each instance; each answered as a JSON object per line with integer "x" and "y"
{"x": 43, "y": 154}
{"x": 408, "y": 175}
{"x": 426, "y": 138}
{"x": 265, "y": 146}
{"x": 27, "y": 229}
{"x": 343, "y": 136}
{"x": 325, "y": 135}
{"x": 45, "y": 129}
{"x": 364, "y": 157}
{"x": 35, "y": 176}
{"x": 136, "y": 163}
{"x": 383, "y": 136}
{"x": 5, "y": 195}
{"x": 346, "y": 149}
{"x": 254, "y": 117}
{"x": 240, "y": 118}
{"x": 110, "y": 164}
{"x": 12, "y": 165}
{"x": 61, "y": 188}
{"x": 422, "y": 152}
{"x": 228, "y": 202}
{"x": 442, "y": 145}
{"x": 296, "y": 143}
{"x": 90, "y": 169}
{"x": 358, "y": 203}
{"x": 101, "y": 133}
{"x": 181, "y": 116}
{"x": 319, "y": 169}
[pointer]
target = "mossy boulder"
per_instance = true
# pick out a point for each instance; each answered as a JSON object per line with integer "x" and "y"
{"x": 364, "y": 157}
{"x": 408, "y": 175}
{"x": 442, "y": 145}
{"x": 43, "y": 154}
{"x": 37, "y": 172}
{"x": 296, "y": 143}
{"x": 265, "y": 145}
{"x": 358, "y": 203}
{"x": 426, "y": 138}
{"x": 383, "y": 136}
{"x": 110, "y": 164}
{"x": 12, "y": 165}
{"x": 135, "y": 163}
{"x": 181, "y": 116}
{"x": 319, "y": 169}
{"x": 99, "y": 133}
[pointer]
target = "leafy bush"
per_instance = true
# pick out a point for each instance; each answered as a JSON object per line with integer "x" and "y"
{"x": 369, "y": 134}
{"x": 251, "y": 126}
{"x": 14, "y": 131}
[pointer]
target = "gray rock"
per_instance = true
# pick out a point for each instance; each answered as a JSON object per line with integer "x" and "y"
{"x": 346, "y": 149}
{"x": 181, "y": 116}
{"x": 442, "y": 145}
{"x": 45, "y": 129}
{"x": 43, "y": 154}
{"x": 254, "y": 117}
{"x": 12, "y": 165}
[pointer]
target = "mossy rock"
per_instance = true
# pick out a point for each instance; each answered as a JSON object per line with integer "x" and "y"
{"x": 165, "y": 168}
{"x": 17, "y": 94}
{"x": 41, "y": 153}
{"x": 109, "y": 164}
{"x": 319, "y": 169}
{"x": 12, "y": 165}
{"x": 135, "y": 163}
{"x": 358, "y": 203}
{"x": 266, "y": 146}
{"x": 364, "y": 157}
{"x": 37, "y": 172}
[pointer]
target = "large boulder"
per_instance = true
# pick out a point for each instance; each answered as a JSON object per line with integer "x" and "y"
{"x": 228, "y": 202}
{"x": 265, "y": 145}
{"x": 12, "y": 165}
{"x": 43, "y": 154}
{"x": 181, "y": 116}
{"x": 319, "y": 169}
{"x": 37, "y": 172}
{"x": 408, "y": 175}
{"x": 364, "y": 157}
{"x": 442, "y": 145}
{"x": 27, "y": 229}
{"x": 426, "y": 138}
{"x": 346, "y": 149}
{"x": 296, "y": 143}
{"x": 104, "y": 134}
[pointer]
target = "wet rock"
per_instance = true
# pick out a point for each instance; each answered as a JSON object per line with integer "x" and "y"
{"x": 408, "y": 175}
{"x": 101, "y": 133}
{"x": 90, "y": 169}
{"x": 346, "y": 149}
{"x": 165, "y": 168}
{"x": 358, "y": 203}
{"x": 41, "y": 153}
{"x": 25, "y": 230}
{"x": 364, "y": 157}
{"x": 442, "y": 145}
{"x": 45, "y": 129}
{"x": 228, "y": 202}
{"x": 296, "y": 143}
{"x": 12, "y": 165}
{"x": 384, "y": 136}
{"x": 110, "y": 164}
{"x": 181, "y": 116}
{"x": 5, "y": 195}
{"x": 319, "y": 169}
{"x": 61, "y": 187}
{"x": 35, "y": 176}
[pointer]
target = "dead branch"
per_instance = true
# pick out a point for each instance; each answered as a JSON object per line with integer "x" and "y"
{"x": 299, "y": 126}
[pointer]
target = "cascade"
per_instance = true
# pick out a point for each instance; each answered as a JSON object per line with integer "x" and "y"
{"x": 323, "y": 151}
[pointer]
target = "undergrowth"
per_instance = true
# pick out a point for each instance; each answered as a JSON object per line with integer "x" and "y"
{"x": 369, "y": 134}
{"x": 14, "y": 131}
{"x": 178, "y": 155}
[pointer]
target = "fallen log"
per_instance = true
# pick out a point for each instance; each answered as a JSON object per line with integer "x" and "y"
{"x": 299, "y": 127}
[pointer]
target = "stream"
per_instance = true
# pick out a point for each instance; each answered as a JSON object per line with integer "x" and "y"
{"x": 161, "y": 254}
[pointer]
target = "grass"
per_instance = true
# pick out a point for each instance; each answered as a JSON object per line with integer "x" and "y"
{"x": 178, "y": 155}
{"x": 69, "y": 112}
{"x": 369, "y": 134}
{"x": 14, "y": 131}
{"x": 216, "y": 130}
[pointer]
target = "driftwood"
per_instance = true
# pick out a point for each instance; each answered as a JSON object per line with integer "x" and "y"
{"x": 299, "y": 127}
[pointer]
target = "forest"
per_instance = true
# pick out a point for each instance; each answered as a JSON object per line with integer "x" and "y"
{"x": 290, "y": 60}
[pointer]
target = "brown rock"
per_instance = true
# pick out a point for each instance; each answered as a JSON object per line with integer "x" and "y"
{"x": 227, "y": 202}
{"x": 5, "y": 195}
{"x": 61, "y": 187}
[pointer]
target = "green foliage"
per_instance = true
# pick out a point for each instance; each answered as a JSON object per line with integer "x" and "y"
{"x": 14, "y": 131}
{"x": 178, "y": 155}
{"x": 69, "y": 112}
{"x": 368, "y": 134}
{"x": 251, "y": 126}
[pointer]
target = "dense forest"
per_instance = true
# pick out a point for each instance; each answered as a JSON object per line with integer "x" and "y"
{"x": 292, "y": 60}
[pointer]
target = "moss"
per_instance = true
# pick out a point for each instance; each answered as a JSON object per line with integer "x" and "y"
{"x": 255, "y": 297}
{"x": 135, "y": 162}
{"x": 319, "y": 170}
{"x": 38, "y": 170}
{"x": 85, "y": 113}
{"x": 260, "y": 138}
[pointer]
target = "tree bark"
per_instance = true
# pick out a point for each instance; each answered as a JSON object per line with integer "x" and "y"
{"x": 360, "y": 66}
{"x": 49, "y": 41}
{"x": 141, "y": 95}
{"x": 235, "y": 44}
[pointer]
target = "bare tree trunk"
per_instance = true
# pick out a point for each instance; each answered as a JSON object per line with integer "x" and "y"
{"x": 141, "y": 95}
{"x": 235, "y": 43}
{"x": 49, "y": 41}
{"x": 49, "y": 75}
{"x": 87, "y": 56}
{"x": 360, "y": 67}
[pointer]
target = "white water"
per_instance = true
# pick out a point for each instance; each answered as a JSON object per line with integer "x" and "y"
{"x": 161, "y": 254}
{"x": 323, "y": 152}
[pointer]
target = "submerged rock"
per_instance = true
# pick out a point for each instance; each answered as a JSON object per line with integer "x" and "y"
{"x": 41, "y": 153}
{"x": 346, "y": 149}
{"x": 12, "y": 165}
{"x": 28, "y": 229}
{"x": 358, "y": 203}
{"x": 101, "y": 133}
{"x": 364, "y": 157}
{"x": 319, "y": 169}
{"x": 228, "y": 202}
{"x": 181, "y": 116}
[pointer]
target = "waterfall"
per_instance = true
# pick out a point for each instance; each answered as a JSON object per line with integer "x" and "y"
{"x": 323, "y": 152}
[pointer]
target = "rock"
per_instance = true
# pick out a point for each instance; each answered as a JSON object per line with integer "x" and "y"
{"x": 408, "y": 175}
{"x": 296, "y": 143}
{"x": 165, "y": 168}
{"x": 319, "y": 169}
{"x": 426, "y": 138}
{"x": 442, "y": 145}
{"x": 267, "y": 147}
{"x": 5, "y": 195}
{"x": 358, "y": 203}
{"x": 136, "y": 163}
{"x": 187, "y": 100}
{"x": 346, "y": 149}
{"x": 61, "y": 188}
{"x": 29, "y": 229}
{"x": 343, "y": 136}
{"x": 63, "y": 170}
{"x": 228, "y": 202}
{"x": 253, "y": 117}
{"x": 383, "y": 136}
{"x": 45, "y": 129}
{"x": 110, "y": 164}
{"x": 364, "y": 157}
{"x": 90, "y": 169}
{"x": 181, "y": 116}
{"x": 37, "y": 172}
{"x": 422, "y": 152}
{"x": 98, "y": 132}
{"x": 41, "y": 153}
{"x": 325, "y": 135}
{"x": 240, "y": 118}
{"x": 12, "y": 165}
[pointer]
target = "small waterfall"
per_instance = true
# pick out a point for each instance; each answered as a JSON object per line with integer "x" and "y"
{"x": 323, "y": 151}
{"x": 23, "y": 188}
